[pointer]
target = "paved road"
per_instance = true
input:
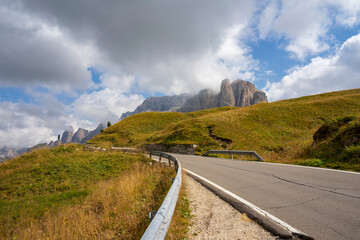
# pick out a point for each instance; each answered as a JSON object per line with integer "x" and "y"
{"x": 322, "y": 203}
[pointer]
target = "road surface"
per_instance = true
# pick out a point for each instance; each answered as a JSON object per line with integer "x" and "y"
{"x": 324, "y": 204}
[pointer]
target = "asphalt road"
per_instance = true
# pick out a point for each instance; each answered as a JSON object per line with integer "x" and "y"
{"x": 322, "y": 203}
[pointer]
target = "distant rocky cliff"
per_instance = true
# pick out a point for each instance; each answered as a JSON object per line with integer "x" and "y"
{"x": 160, "y": 104}
{"x": 80, "y": 136}
{"x": 10, "y": 152}
{"x": 239, "y": 93}
{"x": 68, "y": 136}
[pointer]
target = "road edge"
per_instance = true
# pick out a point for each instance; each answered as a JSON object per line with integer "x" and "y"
{"x": 269, "y": 222}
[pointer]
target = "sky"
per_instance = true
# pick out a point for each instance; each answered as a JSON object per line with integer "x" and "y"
{"x": 82, "y": 62}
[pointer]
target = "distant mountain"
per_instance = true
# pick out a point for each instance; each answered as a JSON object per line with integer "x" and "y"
{"x": 10, "y": 152}
{"x": 68, "y": 136}
{"x": 160, "y": 104}
{"x": 239, "y": 93}
{"x": 91, "y": 134}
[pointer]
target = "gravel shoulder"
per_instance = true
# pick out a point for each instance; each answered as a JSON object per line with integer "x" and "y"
{"x": 215, "y": 219}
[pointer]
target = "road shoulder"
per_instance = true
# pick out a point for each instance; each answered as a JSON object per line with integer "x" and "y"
{"x": 215, "y": 219}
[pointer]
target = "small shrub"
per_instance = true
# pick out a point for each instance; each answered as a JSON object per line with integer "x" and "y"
{"x": 312, "y": 163}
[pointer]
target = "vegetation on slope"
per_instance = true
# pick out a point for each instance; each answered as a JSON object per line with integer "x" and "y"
{"x": 135, "y": 129}
{"x": 279, "y": 131}
{"x": 70, "y": 193}
{"x": 336, "y": 144}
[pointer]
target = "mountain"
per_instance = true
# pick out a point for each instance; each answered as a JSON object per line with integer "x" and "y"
{"x": 159, "y": 104}
{"x": 10, "y": 152}
{"x": 68, "y": 136}
{"x": 285, "y": 131}
{"x": 93, "y": 133}
{"x": 239, "y": 93}
{"x": 79, "y": 135}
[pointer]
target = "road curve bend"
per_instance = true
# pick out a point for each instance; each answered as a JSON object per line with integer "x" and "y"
{"x": 323, "y": 203}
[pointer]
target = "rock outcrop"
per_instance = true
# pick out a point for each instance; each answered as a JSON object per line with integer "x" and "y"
{"x": 205, "y": 99}
{"x": 79, "y": 135}
{"x": 159, "y": 104}
{"x": 93, "y": 133}
{"x": 10, "y": 152}
{"x": 226, "y": 95}
{"x": 246, "y": 94}
{"x": 67, "y": 135}
{"x": 239, "y": 93}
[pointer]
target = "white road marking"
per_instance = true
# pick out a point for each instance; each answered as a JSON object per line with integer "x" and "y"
{"x": 255, "y": 208}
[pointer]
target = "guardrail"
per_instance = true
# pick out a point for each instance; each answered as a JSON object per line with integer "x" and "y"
{"x": 159, "y": 225}
{"x": 232, "y": 152}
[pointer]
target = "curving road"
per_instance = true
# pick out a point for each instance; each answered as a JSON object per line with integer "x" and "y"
{"x": 322, "y": 203}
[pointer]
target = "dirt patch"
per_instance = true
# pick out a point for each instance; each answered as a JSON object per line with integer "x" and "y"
{"x": 225, "y": 142}
{"x": 215, "y": 219}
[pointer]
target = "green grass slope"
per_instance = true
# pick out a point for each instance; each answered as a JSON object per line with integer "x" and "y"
{"x": 279, "y": 131}
{"x": 69, "y": 192}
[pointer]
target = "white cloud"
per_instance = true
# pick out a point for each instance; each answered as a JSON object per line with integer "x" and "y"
{"x": 348, "y": 12}
{"x": 36, "y": 53}
{"x": 160, "y": 47}
{"x": 104, "y": 105}
{"x": 267, "y": 18}
{"x": 24, "y": 124}
{"x": 305, "y": 24}
{"x": 337, "y": 72}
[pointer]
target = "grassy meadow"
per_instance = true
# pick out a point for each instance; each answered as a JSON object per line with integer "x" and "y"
{"x": 68, "y": 192}
{"x": 281, "y": 131}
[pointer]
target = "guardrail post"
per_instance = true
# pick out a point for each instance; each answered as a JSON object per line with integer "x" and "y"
{"x": 152, "y": 215}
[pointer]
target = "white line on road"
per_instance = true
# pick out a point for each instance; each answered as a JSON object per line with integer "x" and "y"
{"x": 252, "y": 206}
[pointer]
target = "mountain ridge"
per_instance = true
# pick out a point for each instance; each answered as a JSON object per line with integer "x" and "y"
{"x": 80, "y": 136}
{"x": 239, "y": 93}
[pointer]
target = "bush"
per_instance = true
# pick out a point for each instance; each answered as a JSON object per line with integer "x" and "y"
{"x": 312, "y": 163}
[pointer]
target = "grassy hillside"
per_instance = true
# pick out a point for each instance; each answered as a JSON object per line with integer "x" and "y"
{"x": 279, "y": 131}
{"x": 70, "y": 193}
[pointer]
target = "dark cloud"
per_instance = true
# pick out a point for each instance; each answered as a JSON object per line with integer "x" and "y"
{"x": 130, "y": 37}
{"x": 32, "y": 54}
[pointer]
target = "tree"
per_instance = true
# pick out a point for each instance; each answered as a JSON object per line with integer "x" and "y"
{"x": 109, "y": 124}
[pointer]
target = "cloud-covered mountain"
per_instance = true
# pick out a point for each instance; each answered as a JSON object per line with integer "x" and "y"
{"x": 160, "y": 104}
{"x": 239, "y": 93}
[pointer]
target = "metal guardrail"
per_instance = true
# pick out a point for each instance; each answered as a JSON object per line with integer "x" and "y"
{"x": 160, "y": 223}
{"x": 232, "y": 152}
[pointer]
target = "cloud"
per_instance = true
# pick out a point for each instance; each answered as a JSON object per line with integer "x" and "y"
{"x": 104, "y": 105}
{"x": 27, "y": 124}
{"x": 36, "y": 53}
{"x": 305, "y": 24}
{"x": 161, "y": 45}
{"x": 337, "y": 72}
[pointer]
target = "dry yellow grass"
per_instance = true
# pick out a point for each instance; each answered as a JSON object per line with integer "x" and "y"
{"x": 116, "y": 209}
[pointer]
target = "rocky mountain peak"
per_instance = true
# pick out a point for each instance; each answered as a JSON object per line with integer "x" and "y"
{"x": 67, "y": 135}
{"x": 226, "y": 95}
{"x": 239, "y": 93}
